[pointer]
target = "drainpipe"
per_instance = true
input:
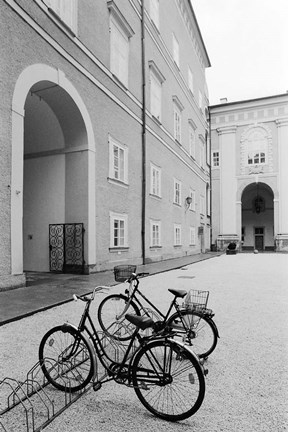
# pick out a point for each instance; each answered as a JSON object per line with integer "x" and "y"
{"x": 143, "y": 213}
{"x": 210, "y": 173}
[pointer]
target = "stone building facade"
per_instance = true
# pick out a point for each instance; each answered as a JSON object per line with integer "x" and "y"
{"x": 249, "y": 152}
{"x": 104, "y": 152}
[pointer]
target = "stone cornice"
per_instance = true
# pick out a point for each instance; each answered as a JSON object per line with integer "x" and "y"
{"x": 282, "y": 122}
{"x": 227, "y": 130}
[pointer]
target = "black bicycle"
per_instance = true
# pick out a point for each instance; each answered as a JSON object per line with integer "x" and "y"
{"x": 193, "y": 322}
{"x": 166, "y": 376}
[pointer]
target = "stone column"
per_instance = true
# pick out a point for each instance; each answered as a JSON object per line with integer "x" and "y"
{"x": 228, "y": 187}
{"x": 17, "y": 192}
{"x": 281, "y": 238}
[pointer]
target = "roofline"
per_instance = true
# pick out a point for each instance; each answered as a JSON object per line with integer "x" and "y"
{"x": 198, "y": 29}
{"x": 247, "y": 100}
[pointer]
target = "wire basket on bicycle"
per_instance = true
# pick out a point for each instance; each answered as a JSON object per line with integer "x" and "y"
{"x": 196, "y": 299}
{"x": 123, "y": 272}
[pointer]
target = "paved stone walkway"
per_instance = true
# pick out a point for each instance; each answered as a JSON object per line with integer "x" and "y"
{"x": 47, "y": 290}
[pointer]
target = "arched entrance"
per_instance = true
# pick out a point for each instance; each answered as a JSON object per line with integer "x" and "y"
{"x": 257, "y": 231}
{"x": 53, "y": 150}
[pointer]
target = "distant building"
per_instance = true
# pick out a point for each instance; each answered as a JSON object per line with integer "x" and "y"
{"x": 104, "y": 152}
{"x": 249, "y": 145}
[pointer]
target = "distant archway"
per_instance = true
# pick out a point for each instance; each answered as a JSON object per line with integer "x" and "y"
{"x": 257, "y": 218}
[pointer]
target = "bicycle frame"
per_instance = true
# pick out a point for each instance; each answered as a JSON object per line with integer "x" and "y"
{"x": 131, "y": 293}
{"x": 101, "y": 353}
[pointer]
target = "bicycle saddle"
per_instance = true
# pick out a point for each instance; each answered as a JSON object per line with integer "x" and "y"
{"x": 178, "y": 293}
{"x": 140, "y": 321}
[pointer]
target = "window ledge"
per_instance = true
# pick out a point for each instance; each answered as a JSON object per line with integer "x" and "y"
{"x": 117, "y": 182}
{"x": 156, "y": 120}
{"x": 178, "y": 246}
{"x": 119, "y": 249}
{"x": 158, "y": 197}
{"x": 59, "y": 19}
{"x": 155, "y": 247}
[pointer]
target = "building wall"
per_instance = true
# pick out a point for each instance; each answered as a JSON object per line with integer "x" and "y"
{"x": 70, "y": 112}
{"x": 236, "y": 182}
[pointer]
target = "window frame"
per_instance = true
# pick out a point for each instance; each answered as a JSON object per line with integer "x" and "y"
{"x": 190, "y": 80}
{"x": 155, "y": 191}
{"x": 192, "y": 194}
{"x": 155, "y": 242}
{"x": 177, "y": 235}
{"x": 177, "y": 192}
{"x": 192, "y": 233}
{"x": 120, "y": 30}
{"x": 192, "y": 142}
{"x": 156, "y": 81}
{"x": 216, "y": 159}
{"x": 58, "y": 8}
{"x": 175, "y": 50}
{"x": 154, "y": 12}
{"x": 112, "y": 142}
{"x": 120, "y": 217}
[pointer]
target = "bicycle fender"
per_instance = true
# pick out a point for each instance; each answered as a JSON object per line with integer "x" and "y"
{"x": 186, "y": 347}
{"x": 68, "y": 326}
{"x": 212, "y": 322}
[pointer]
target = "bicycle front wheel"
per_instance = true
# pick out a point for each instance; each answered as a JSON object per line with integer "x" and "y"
{"x": 66, "y": 359}
{"x": 168, "y": 380}
{"x": 111, "y": 316}
{"x": 197, "y": 330}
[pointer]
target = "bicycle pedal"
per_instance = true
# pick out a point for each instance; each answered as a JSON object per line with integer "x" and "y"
{"x": 97, "y": 386}
{"x": 144, "y": 386}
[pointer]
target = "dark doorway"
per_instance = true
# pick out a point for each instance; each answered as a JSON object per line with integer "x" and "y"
{"x": 66, "y": 248}
{"x": 259, "y": 238}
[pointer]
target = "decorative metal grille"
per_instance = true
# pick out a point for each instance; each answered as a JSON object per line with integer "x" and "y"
{"x": 66, "y": 246}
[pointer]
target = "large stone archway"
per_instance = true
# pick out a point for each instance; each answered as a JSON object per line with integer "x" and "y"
{"x": 58, "y": 149}
{"x": 257, "y": 217}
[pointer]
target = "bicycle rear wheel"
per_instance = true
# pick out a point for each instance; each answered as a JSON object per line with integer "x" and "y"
{"x": 111, "y": 317}
{"x": 197, "y": 330}
{"x": 66, "y": 359}
{"x": 168, "y": 380}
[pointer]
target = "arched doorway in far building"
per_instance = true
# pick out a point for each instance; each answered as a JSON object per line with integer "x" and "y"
{"x": 53, "y": 167}
{"x": 257, "y": 230}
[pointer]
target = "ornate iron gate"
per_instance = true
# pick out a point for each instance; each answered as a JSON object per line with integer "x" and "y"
{"x": 66, "y": 248}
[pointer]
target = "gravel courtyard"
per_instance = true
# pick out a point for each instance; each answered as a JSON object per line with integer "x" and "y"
{"x": 247, "y": 384}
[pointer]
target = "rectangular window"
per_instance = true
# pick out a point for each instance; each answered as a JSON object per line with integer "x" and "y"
{"x": 216, "y": 159}
{"x": 155, "y": 96}
{"x": 177, "y": 123}
{"x": 155, "y": 233}
{"x": 177, "y": 235}
{"x": 155, "y": 183}
{"x": 66, "y": 10}
{"x": 202, "y": 153}
{"x": 118, "y": 161}
{"x": 192, "y": 206}
{"x": 202, "y": 205}
{"x": 192, "y": 141}
{"x": 119, "y": 52}
{"x": 190, "y": 80}
{"x": 118, "y": 230}
{"x": 200, "y": 100}
{"x": 177, "y": 192}
{"x": 192, "y": 236}
{"x": 175, "y": 50}
{"x": 154, "y": 12}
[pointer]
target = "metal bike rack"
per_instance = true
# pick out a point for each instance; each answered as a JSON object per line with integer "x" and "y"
{"x": 31, "y": 405}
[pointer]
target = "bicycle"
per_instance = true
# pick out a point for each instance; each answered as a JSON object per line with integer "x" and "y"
{"x": 166, "y": 376}
{"x": 194, "y": 322}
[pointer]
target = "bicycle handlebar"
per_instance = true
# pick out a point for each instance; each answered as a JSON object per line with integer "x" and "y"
{"x": 95, "y": 290}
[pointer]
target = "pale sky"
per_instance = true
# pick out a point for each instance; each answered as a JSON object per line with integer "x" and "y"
{"x": 247, "y": 43}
